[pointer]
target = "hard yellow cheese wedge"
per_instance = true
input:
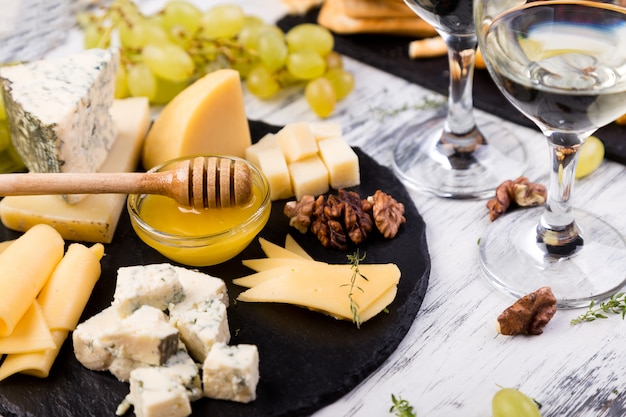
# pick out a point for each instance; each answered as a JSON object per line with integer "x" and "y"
{"x": 95, "y": 218}
{"x": 326, "y": 288}
{"x": 208, "y": 117}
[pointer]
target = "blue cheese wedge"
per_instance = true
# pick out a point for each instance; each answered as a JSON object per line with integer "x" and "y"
{"x": 201, "y": 324}
{"x": 156, "y": 285}
{"x": 58, "y": 111}
{"x": 90, "y": 348}
{"x": 154, "y": 393}
{"x": 198, "y": 286}
{"x": 231, "y": 372}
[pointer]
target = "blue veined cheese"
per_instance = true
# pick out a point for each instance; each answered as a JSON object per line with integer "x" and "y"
{"x": 156, "y": 285}
{"x": 199, "y": 286}
{"x": 201, "y": 324}
{"x": 58, "y": 111}
{"x": 144, "y": 336}
{"x": 90, "y": 348}
{"x": 231, "y": 372}
{"x": 107, "y": 341}
{"x": 155, "y": 393}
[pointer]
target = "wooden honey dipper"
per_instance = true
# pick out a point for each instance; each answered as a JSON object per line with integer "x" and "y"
{"x": 202, "y": 182}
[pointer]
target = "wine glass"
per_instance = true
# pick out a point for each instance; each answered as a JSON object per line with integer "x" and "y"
{"x": 563, "y": 65}
{"x": 449, "y": 155}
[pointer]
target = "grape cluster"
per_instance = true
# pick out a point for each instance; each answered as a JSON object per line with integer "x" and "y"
{"x": 10, "y": 160}
{"x": 164, "y": 52}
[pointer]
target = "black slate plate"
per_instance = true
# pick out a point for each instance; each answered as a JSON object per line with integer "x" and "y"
{"x": 390, "y": 54}
{"x": 307, "y": 360}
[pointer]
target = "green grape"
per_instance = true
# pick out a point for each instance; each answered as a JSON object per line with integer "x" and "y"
{"x": 342, "y": 82}
{"x": 306, "y": 65}
{"x": 321, "y": 97}
{"x": 509, "y": 402}
{"x": 272, "y": 50}
{"x": 96, "y": 36}
{"x": 590, "y": 156}
{"x": 141, "y": 33}
{"x": 262, "y": 83}
{"x": 141, "y": 81}
{"x": 168, "y": 61}
{"x": 3, "y": 110}
{"x": 121, "y": 82}
{"x": 310, "y": 37}
{"x": 223, "y": 21}
{"x": 166, "y": 90}
{"x": 181, "y": 13}
{"x": 248, "y": 36}
{"x": 181, "y": 36}
{"x": 333, "y": 60}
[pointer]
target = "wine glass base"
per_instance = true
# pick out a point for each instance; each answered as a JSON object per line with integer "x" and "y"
{"x": 513, "y": 262}
{"x": 419, "y": 163}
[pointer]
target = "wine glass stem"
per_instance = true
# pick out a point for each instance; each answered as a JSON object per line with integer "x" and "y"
{"x": 557, "y": 232}
{"x": 460, "y": 128}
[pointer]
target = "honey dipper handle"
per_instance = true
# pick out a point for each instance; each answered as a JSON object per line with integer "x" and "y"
{"x": 84, "y": 183}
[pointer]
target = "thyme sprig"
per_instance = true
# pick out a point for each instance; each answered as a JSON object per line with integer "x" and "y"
{"x": 616, "y": 304}
{"x": 426, "y": 104}
{"x": 354, "y": 260}
{"x": 401, "y": 408}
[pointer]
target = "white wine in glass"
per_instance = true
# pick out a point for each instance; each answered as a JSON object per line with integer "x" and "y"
{"x": 449, "y": 155}
{"x": 563, "y": 65}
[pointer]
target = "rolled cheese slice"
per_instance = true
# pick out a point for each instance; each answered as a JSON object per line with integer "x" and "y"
{"x": 30, "y": 334}
{"x": 34, "y": 363}
{"x": 25, "y": 266}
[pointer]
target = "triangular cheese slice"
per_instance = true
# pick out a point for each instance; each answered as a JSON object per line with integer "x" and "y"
{"x": 30, "y": 334}
{"x": 34, "y": 363}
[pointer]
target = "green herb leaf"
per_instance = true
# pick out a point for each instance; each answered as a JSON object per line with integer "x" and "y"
{"x": 616, "y": 304}
{"x": 354, "y": 260}
{"x": 401, "y": 408}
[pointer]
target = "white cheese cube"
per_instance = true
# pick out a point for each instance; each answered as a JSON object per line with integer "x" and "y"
{"x": 154, "y": 393}
{"x": 341, "y": 161}
{"x": 325, "y": 130}
{"x": 89, "y": 347}
{"x": 296, "y": 141}
{"x": 309, "y": 177}
{"x": 156, "y": 285}
{"x": 144, "y": 336}
{"x": 231, "y": 372}
{"x": 273, "y": 165}
{"x": 198, "y": 286}
{"x": 59, "y": 108}
{"x": 201, "y": 324}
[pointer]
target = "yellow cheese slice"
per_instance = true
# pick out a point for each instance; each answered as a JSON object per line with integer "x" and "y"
{"x": 208, "y": 117}
{"x": 24, "y": 268}
{"x": 264, "y": 264}
{"x": 33, "y": 363}
{"x": 66, "y": 293}
{"x": 293, "y": 246}
{"x": 95, "y": 218}
{"x": 273, "y": 250}
{"x": 379, "y": 305}
{"x": 30, "y": 334}
{"x": 327, "y": 288}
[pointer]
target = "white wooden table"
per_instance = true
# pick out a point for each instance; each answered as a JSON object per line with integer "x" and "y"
{"x": 452, "y": 361}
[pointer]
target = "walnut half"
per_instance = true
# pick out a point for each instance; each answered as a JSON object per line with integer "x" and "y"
{"x": 528, "y": 315}
{"x": 519, "y": 192}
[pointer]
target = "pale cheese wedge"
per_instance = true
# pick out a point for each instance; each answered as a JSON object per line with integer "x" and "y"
{"x": 327, "y": 289}
{"x": 271, "y": 162}
{"x": 296, "y": 141}
{"x": 263, "y": 264}
{"x": 273, "y": 250}
{"x": 208, "y": 117}
{"x": 293, "y": 246}
{"x": 325, "y": 130}
{"x": 95, "y": 218}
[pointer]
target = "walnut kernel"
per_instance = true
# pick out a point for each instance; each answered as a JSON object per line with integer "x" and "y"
{"x": 519, "y": 192}
{"x": 528, "y": 315}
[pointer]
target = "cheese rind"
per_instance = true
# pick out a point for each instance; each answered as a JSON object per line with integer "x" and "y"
{"x": 231, "y": 372}
{"x": 58, "y": 108}
{"x": 94, "y": 218}
{"x": 208, "y": 117}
